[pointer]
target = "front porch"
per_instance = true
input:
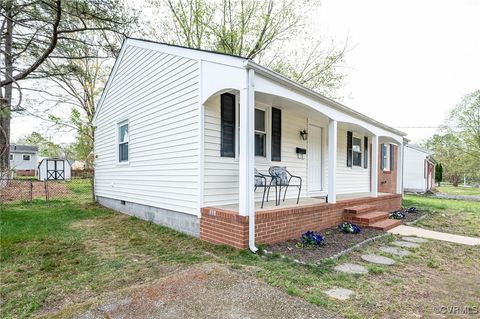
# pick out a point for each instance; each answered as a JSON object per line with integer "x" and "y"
{"x": 226, "y": 225}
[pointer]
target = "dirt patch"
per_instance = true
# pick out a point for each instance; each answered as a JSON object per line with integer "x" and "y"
{"x": 204, "y": 291}
{"x": 336, "y": 241}
{"x": 86, "y": 223}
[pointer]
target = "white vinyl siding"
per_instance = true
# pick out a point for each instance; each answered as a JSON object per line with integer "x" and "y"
{"x": 159, "y": 95}
{"x": 221, "y": 173}
{"x": 354, "y": 179}
{"x": 414, "y": 170}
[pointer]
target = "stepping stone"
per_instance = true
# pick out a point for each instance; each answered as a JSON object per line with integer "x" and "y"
{"x": 395, "y": 251}
{"x": 415, "y": 240}
{"x": 405, "y": 244}
{"x": 351, "y": 269}
{"x": 339, "y": 293}
{"x": 376, "y": 259}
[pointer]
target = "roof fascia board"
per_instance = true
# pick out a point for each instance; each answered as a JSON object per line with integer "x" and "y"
{"x": 188, "y": 52}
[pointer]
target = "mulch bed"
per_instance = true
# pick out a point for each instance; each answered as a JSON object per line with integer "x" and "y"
{"x": 336, "y": 241}
{"x": 411, "y": 217}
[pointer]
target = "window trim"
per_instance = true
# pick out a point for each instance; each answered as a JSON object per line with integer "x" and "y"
{"x": 266, "y": 133}
{"x": 12, "y": 157}
{"x": 29, "y": 157}
{"x": 117, "y": 146}
{"x": 268, "y": 127}
{"x": 355, "y": 136}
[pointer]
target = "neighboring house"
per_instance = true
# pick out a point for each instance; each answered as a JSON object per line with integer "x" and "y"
{"x": 54, "y": 169}
{"x": 419, "y": 171}
{"x": 180, "y": 132}
{"x": 23, "y": 159}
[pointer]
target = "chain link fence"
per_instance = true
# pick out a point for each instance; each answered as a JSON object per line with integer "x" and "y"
{"x": 29, "y": 190}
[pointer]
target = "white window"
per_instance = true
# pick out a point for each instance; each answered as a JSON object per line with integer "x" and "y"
{"x": 26, "y": 157}
{"x": 385, "y": 157}
{"x": 260, "y": 133}
{"x": 123, "y": 142}
{"x": 357, "y": 151}
{"x": 11, "y": 157}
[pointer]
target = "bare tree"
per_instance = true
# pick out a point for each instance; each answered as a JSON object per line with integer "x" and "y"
{"x": 31, "y": 31}
{"x": 274, "y": 33}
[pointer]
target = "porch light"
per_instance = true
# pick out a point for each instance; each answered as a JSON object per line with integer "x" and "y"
{"x": 304, "y": 135}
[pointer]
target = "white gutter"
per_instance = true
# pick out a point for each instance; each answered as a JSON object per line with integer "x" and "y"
{"x": 292, "y": 84}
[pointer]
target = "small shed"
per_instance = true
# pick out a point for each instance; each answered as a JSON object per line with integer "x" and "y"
{"x": 54, "y": 169}
{"x": 419, "y": 171}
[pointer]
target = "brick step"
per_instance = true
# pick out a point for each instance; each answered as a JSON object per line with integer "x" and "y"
{"x": 368, "y": 218}
{"x": 365, "y": 208}
{"x": 385, "y": 224}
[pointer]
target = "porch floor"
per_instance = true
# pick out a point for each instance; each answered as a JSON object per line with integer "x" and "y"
{"x": 292, "y": 202}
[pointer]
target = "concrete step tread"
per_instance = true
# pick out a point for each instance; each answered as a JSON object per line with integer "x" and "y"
{"x": 359, "y": 209}
{"x": 385, "y": 224}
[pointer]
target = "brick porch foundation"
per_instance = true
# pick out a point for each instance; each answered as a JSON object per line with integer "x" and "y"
{"x": 227, "y": 227}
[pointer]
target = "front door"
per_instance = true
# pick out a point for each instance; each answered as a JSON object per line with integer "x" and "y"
{"x": 314, "y": 159}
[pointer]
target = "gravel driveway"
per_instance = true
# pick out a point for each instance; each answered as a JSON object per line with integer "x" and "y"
{"x": 205, "y": 291}
{"x": 475, "y": 198}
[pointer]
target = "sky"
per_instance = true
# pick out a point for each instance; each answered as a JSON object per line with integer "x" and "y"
{"x": 408, "y": 61}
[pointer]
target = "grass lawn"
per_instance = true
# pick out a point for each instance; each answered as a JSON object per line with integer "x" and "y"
{"x": 460, "y": 190}
{"x": 447, "y": 215}
{"x": 55, "y": 258}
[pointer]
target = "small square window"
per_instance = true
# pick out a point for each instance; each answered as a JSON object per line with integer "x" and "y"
{"x": 26, "y": 157}
{"x": 123, "y": 140}
{"x": 357, "y": 151}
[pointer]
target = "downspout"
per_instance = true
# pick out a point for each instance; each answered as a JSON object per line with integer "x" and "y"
{"x": 251, "y": 197}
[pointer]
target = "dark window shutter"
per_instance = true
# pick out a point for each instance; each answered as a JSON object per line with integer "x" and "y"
{"x": 227, "y": 115}
{"x": 392, "y": 158}
{"x": 349, "y": 149}
{"x": 276, "y": 134}
{"x": 382, "y": 156}
{"x": 365, "y": 151}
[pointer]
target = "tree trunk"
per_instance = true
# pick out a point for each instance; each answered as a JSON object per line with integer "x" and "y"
{"x": 6, "y": 100}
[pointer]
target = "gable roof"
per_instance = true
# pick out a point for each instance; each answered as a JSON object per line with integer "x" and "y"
{"x": 246, "y": 63}
{"x": 419, "y": 148}
{"x": 16, "y": 148}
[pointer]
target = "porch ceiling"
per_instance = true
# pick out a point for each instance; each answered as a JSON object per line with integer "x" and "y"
{"x": 289, "y": 105}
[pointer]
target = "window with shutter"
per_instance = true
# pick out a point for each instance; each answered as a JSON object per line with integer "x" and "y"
{"x": 276, "y": 134}
{"x": 365, "y": 152}
{"x": 227, "y": 120}
{"x": 349, "y": 149}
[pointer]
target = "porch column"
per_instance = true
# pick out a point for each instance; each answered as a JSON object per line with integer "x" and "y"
{"x": 332, "y": 161}
{"x": 374, "y": 171}
{"x": 247, "y": 156}
{"x": 400, "y": 168}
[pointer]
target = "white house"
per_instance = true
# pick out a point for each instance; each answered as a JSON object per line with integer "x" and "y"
{"x": 23, "y": 159}
{"x": 54, "y": 169}
{"x": 181, "y": 131}
{"x": 419, "y": 171}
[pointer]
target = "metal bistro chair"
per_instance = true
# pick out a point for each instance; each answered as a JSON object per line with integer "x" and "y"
{"x": 282, "y": 178}
{"x": 261, "y": 181}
